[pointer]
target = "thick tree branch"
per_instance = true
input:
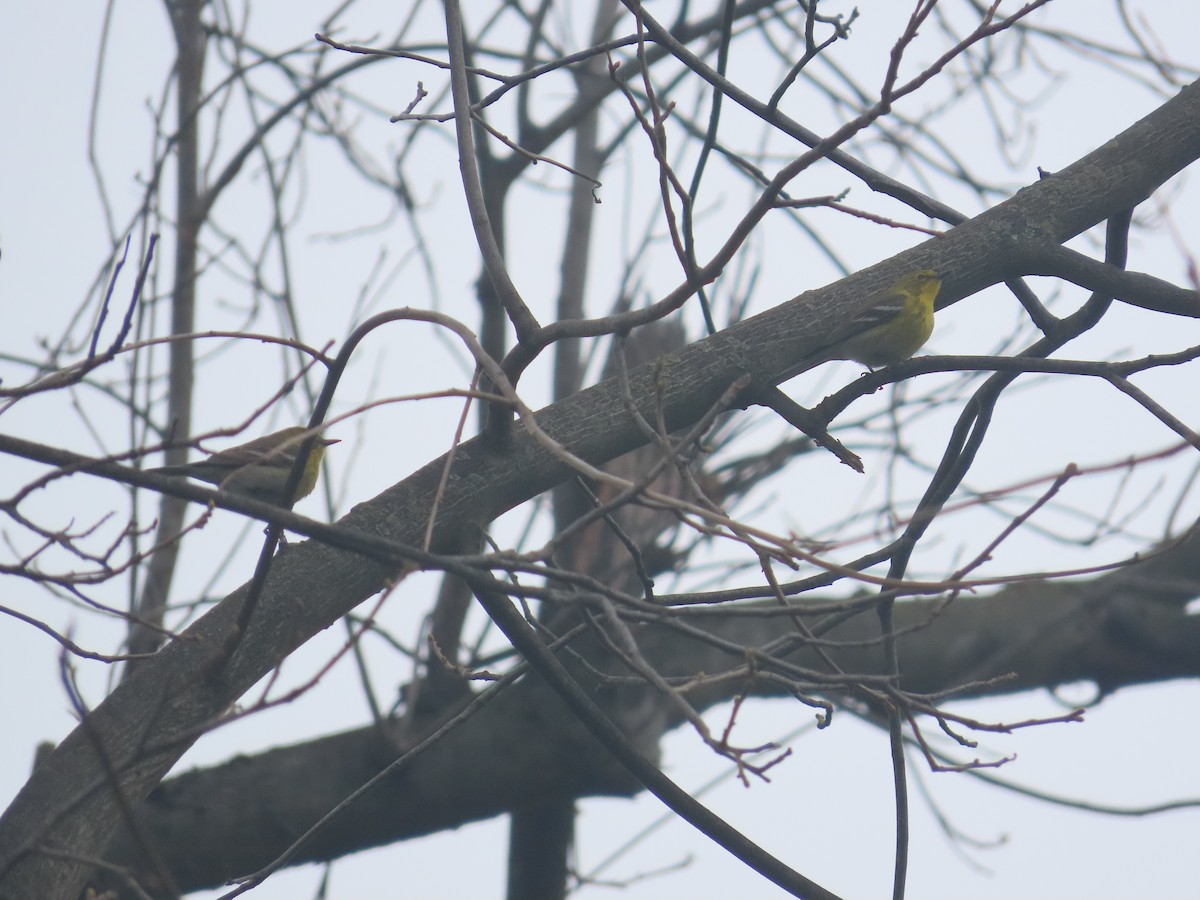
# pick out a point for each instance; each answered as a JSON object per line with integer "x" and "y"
{"x": 1124, "y": 628}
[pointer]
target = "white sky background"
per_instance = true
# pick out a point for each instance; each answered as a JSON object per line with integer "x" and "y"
{"x": 826, "y": 810}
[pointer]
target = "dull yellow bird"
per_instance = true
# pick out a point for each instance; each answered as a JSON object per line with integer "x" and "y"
{"x": 896, "y": 326}
{"x": 259, "y": 468}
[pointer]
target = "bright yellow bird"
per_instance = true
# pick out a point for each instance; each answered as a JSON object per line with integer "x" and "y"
{"x": 259, "y": 468}
{"x": 896, "y": 326}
